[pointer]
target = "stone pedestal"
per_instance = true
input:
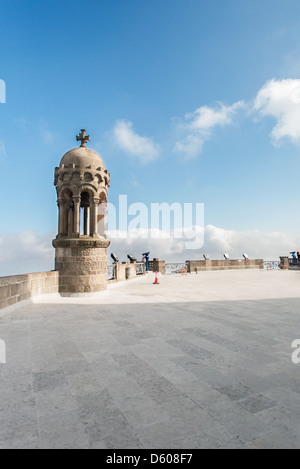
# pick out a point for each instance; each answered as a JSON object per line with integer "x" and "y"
{"x": 159, "y": 266}
{"x": 284, "y": 262}
{"x": 81, "y": 263}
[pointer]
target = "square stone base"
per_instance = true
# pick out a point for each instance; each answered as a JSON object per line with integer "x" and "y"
{"x": 82, "y": 265}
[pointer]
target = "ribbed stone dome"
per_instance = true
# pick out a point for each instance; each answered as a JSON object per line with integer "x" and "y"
{"x": 82, "y": 157}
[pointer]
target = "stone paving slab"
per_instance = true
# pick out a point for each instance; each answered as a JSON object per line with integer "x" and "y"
{"x": 199, "y": 361}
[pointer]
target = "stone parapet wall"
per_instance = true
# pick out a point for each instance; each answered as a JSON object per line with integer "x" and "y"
{"x": 22, "y": 287}
{"x": 226, "y": 264}
{"x": 124, "y": 271}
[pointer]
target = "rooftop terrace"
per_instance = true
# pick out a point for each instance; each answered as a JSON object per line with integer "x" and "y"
{"x": 198, "y": 361}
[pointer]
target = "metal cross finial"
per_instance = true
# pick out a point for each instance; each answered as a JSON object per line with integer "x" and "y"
{"x": 83, "y": 137}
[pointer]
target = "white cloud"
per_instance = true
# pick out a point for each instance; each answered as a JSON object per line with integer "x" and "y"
{"x": 204, "y": 118}
{"x": 31, "y": 251}
{"x": 280, "y": 99}
{"x": 28, "y": 251}
{"x": 133, "y": 144}
{"x": 217, "y": 241}
{"x": 268, "y": 246}
{"x": 197, "y": 126}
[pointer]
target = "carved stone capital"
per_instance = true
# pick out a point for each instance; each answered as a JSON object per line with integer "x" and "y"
{"x": 76, "y": 200}
{"x": 61, "y": 201}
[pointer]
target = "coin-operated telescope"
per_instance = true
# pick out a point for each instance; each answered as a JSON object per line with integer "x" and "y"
{"x": 146, "y": 259}
{"x": 131, "y": 258}
{"x": 114, "y": 258}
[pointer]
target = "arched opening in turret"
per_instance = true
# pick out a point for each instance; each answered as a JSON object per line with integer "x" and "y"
{"x": 84, "y": 213}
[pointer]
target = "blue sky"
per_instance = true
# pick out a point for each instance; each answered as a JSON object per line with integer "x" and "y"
{"x": 185, "y": 100}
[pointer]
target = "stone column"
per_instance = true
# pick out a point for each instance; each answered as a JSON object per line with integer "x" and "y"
{"x": 101, "y": 218}
{"x": 60, "y": 204}
{"x": 93, "y": 216}
{"x": 71, "y": 220}
{"x": 76, "y": 201}
{"x": 66, "y": 218}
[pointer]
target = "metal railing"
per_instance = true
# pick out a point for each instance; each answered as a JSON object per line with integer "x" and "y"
{"x": 271, "y": 265}
{"x": 175, "y": 268}
{"x": 140, "y": 268}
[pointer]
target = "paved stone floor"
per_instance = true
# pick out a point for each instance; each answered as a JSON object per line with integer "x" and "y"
{"x": 198, "y": 361}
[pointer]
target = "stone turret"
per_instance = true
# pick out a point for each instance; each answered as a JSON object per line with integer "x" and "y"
{"x": 82, "y": 183}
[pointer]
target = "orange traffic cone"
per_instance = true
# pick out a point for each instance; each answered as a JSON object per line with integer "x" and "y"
{"x": 156, "y": 282}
